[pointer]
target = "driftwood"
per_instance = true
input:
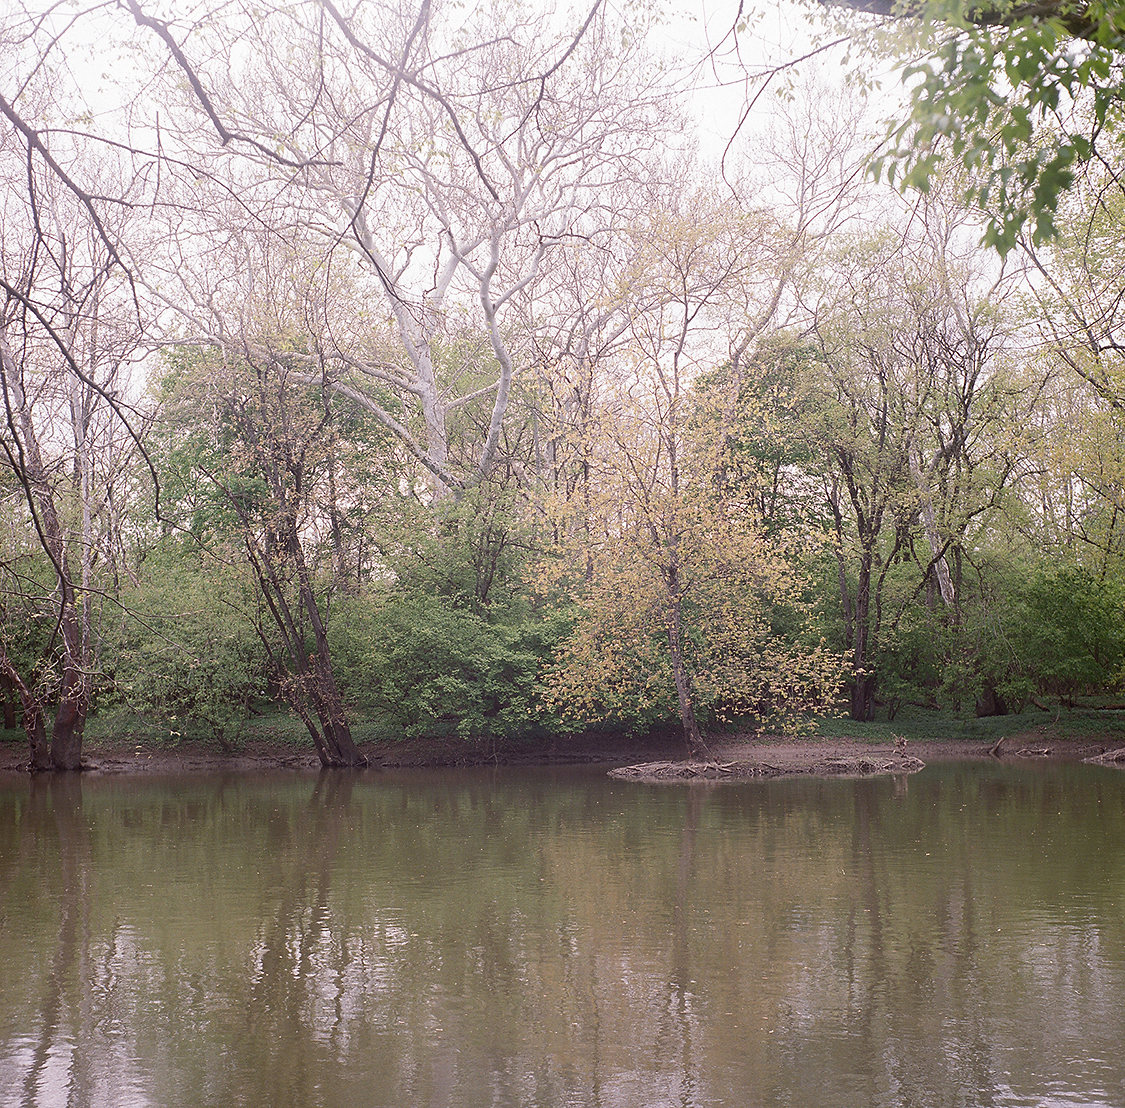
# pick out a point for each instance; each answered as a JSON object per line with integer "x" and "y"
{"x": 695, "y": 771}
{"x": 1109, "y": 758}
{"x": 864, "y": 766}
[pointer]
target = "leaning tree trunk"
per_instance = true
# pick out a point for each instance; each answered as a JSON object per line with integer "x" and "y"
{"x": 933, "y": 536}
{"x": 310, "y": 689}
{"x": 32, "y": 716}
{"x": 339, "y": 748}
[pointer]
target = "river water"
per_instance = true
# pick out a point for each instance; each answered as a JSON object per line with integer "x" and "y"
{"x": 540, "y": 938}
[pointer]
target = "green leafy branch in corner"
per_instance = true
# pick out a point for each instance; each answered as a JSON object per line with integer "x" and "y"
{"x": 1019, "y": 96}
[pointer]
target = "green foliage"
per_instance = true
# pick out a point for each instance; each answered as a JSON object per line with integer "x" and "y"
{"x": 767, "y": 463}
{"x": 910, "y": 657}
{"x": 421, "y": 666}
{"x": 449, "y": 644}
{"x": 1067, "y": 631}
{"x": 472, "y": 552}
{"x": 187, "y": 655}
{"x": 1018, "y": 106}
{"x": 746, "y": 636}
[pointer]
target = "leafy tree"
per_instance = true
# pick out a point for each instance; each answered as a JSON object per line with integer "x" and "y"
{"x": 678, "y": 587}
{"x": 474, "y": 553}
{"x": 1020, "y": 96}
{"x": 419, "y": 665}
{"x": 447, "y": 641}
{"x": 1067, "y": 633}
{"x": 676, "y": 583}
{"x": 765, "y": 461}
{"x": 910, "y": 409}
{"x": 28, "y": 658}
{"x": 264, "y": 460}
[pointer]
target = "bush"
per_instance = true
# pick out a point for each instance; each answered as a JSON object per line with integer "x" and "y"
{"x": 421, "y": 667}
{"x": 188, "y": 656}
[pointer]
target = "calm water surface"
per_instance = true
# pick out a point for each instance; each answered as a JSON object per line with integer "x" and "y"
{"x": 547, "y": 938}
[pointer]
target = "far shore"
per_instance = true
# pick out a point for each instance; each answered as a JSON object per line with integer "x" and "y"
{"x": 743, "y": 752}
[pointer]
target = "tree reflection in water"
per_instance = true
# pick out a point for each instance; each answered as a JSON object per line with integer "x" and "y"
{"x": 550, "y": 937}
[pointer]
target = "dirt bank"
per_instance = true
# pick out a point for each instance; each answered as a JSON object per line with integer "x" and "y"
{"x": 816, "y": 755}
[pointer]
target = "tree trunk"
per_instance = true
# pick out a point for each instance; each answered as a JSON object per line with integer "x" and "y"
{"x": 36, "y": 727}
{"x": 863, "y": 697}
{"x": 338, "y": 747}
{"x": 930, "y": 527}
{"x": 31, "y": 716}
{"x": 10, "y": 694}
{"x": 311, "y": 689}
{"x": 70, "y": 720}
{"x": 74, "y": 694}
{"x": 693, "y": 737}
{"x": 863, "y": 677}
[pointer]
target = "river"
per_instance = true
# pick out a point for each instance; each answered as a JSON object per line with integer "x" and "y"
{"x": 548, "y": 937}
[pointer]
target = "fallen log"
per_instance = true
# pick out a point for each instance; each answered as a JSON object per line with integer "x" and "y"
{"x": 860, "y": 766}
{"x": 1109, "y": 757}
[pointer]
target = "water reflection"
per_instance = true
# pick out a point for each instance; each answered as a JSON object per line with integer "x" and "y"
{"x": 549, "y": 937}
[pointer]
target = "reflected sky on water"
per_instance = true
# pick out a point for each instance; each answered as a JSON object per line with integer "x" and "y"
{"x": 550, "y": 937}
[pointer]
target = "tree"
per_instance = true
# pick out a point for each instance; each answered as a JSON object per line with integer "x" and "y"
{"x": 265, "y": 455}
{"x": 1067, "y": 632}
{"x": 678, "y": 589}
{"x": 434, "y": 167}
{"x": 66, "y": 342}
{"x": 1021, "y": 96}
{"x": 764, "y": 461}
{"x": 1078, "y": 280}
{"x": 910, "y": 400}
{"x": 679, "y": 579}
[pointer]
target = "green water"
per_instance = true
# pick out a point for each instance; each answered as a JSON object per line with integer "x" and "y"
{"x": 554, "y": 938}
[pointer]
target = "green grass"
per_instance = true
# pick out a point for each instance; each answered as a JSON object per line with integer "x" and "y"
{"x": 117, "y": 726}
{"x": 1081, "y": 722}
{"x": 270, "y": 725}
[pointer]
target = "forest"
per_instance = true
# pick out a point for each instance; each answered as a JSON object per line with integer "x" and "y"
{"x": 426, "y": 368}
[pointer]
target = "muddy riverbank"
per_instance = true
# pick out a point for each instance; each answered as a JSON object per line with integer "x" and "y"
{"x": 813, "y": 755}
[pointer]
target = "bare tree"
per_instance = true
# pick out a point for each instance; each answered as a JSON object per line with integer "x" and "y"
{"x": 437, "y": 166}
{"x": 66, "y": 340}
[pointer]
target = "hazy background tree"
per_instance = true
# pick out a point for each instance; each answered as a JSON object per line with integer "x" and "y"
{"x": 912, "y": 406}
{"x": 435, "y": 162}
{"x": 68, "y": 338}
